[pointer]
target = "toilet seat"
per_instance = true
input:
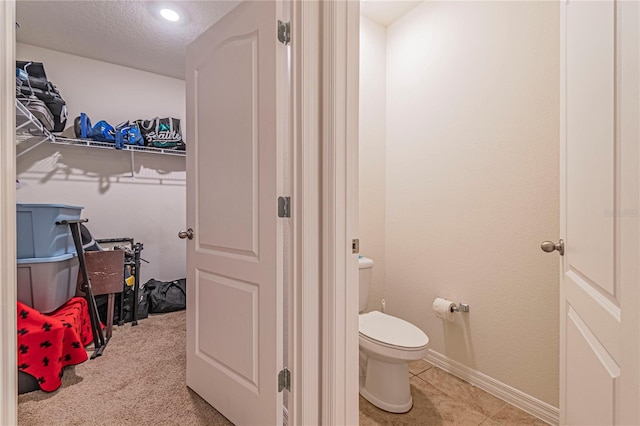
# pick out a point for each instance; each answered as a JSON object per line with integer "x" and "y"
{"x": 391, "y": 332}
{"x": 387, "y": 344}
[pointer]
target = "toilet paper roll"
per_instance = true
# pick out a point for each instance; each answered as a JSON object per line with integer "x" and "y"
{"x": 443, "y": 308}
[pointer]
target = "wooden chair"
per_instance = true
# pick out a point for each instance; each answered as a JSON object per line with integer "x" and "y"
{"x": 106, "y": 272}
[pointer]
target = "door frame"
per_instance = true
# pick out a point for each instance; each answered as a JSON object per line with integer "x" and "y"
{"x": 340, "y": 107}
{"x": 324, "y": 298}
{"x": 8, "y": 294}
{"x": 339, "y": 195}
{"x": 304, "y": 297}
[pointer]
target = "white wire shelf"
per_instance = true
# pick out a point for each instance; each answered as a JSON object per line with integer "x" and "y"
{"x": 30, "y": 133}
{"x": 106, "y": 145}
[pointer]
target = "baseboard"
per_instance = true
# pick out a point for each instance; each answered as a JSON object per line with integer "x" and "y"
{"x": 519, "y": 399}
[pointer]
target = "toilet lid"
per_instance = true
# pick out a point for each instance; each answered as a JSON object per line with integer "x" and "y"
{"x": 391, "y": 330}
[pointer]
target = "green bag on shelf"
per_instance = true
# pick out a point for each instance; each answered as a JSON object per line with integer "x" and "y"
{"x": 162, "y": 133}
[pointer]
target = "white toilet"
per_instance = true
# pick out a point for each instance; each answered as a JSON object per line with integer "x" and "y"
{"x": 387, "y": 344}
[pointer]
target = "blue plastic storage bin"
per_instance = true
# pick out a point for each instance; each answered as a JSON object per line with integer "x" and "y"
{"x": 37, "y": 233}
{"x": 47, "y": 283}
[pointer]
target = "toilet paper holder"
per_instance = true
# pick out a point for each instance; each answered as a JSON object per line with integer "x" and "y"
{"x": 460, "y": 307}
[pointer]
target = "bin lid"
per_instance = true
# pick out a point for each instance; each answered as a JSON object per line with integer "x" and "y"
{"x": 40, "y": 205}
{"x": 60, "y": 258}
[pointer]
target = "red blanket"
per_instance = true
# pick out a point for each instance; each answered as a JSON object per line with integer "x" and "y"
{"x": 48, "y": 343}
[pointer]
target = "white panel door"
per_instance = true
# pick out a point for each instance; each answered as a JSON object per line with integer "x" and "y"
{"x": 599, "y": 303}
{"x": 234, "y": 277}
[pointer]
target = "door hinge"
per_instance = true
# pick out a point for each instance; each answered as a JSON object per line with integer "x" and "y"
{"x": 284, "y": 32}
{"x": 284, "y": 206}
{"x": 355, "y": 246}
{"x": 284, "y": 379}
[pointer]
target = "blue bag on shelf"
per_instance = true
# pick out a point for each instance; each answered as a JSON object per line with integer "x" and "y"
{"x": 135, "y": 136}
{"x": 82, "y": 126}
{"x": 102, "y": 132}
{"x": 124, "y": 133}
{"x": 128, "y": 133}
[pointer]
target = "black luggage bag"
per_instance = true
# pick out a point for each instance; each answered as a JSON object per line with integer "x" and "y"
{"x": 118, "y": 317}
{"x": 39, "y": 110}
{"x": 38, "y": 85}
{"x": 166, "y": 296}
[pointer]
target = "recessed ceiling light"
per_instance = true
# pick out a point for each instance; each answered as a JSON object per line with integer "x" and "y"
{"x": 170, "y": 15}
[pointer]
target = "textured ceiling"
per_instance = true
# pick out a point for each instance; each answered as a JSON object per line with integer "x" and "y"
{"x": 132, "y": 33}
{"x": 128, "y": 33}
{"x": 385, "y": 12}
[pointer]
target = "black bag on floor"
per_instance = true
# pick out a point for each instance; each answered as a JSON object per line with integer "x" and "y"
{"x": 143, "y": 306}
{"x": 38, "y": 85}
{"x": 166, "y": 296}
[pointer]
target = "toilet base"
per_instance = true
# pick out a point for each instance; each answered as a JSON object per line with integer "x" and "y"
{"x": 386, "y": 385}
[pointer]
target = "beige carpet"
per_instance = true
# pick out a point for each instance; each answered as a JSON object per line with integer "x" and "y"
{"x": 139, "y": 380}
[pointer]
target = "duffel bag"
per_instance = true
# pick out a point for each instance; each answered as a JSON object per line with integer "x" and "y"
{"x": 162, "y": 133}
{"x": 166, "y": 296}
{"x": 38, "y": 85}
{"x": 53, "y": 101}
{"x": 39, "y": 110}
{"x": 37, "y": 75}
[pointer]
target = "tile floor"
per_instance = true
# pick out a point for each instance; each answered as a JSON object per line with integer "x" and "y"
{"x": 440, "y": 398}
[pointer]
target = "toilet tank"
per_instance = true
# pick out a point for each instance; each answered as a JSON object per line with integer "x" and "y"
{"x": 365, "y": 266}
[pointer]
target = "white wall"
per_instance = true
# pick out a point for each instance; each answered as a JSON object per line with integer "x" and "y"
{"x": 150, "y": 206}
{"x": 372, "y": 152}
{"x": 471, "y": 188}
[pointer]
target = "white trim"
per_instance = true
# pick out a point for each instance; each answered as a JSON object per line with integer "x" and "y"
{"x": 513, "y": 396}
{"x": 304, "y": 299}
{"x": 8, "y": 340}
{"x": 340, "y": 47}
{"x": 352, "y": 118}
{"x": 562, "y": 382}
{"x": 628, "y": 231}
